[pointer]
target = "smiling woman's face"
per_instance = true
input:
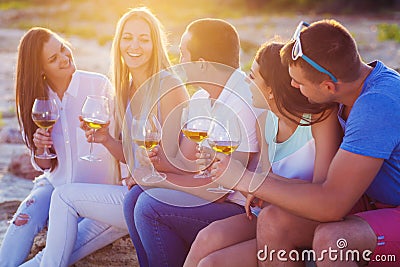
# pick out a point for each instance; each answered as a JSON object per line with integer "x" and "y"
{"x": 136, "y": 45}
{"x": 57, "y": 60}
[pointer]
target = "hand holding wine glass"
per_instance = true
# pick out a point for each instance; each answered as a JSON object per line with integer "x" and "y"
{"x": 146, "y": 133}
{"x": 96, "y": 115}
{"x": 195, "y": 126}
{"x": 224, "y": 137}
{"x": 45, "y": 113}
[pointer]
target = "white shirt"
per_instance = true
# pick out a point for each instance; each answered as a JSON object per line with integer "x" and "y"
{"x": 236, "y": 97}
{"x": 69, "y": 139}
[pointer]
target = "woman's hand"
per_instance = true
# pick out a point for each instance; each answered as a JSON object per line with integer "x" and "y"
{"x": 146, "y": 158}
{"x": 129, "y": 182}
{"x": 205, "y": 157}
{"x": 101, "y": 135}
{"x": 227, "y": 171}
{"x": 252, "y": 201}
{"x": 220, "y": 165}
{"x": 42, "y": 139}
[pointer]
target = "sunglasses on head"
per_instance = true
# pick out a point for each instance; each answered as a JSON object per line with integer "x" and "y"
{"x": 297, "y": 51}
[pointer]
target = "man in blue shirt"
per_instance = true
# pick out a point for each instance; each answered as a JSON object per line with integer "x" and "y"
{"x": 326, "y": 67}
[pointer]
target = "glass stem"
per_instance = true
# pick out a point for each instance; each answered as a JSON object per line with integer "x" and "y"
{"x": 205, "y": 171}
{"x": 46, "y": 151}
{"x": 153, "y": 169}
{"x": 91, "y": 144}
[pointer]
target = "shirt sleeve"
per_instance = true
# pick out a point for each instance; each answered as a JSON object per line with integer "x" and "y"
{"x": 373, "y": 127}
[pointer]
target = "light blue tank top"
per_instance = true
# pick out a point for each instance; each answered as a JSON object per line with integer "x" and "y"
{"x": 293, "y": 158}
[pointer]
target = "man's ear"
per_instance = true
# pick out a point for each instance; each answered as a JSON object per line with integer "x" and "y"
{"x": 329, "y": 86}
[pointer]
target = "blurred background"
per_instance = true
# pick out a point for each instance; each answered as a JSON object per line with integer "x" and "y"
{"x": 256, "y": 20}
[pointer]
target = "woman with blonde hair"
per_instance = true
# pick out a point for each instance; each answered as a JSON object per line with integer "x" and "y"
{"x": 139, "y": 61}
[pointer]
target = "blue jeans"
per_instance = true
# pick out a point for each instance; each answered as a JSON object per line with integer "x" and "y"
{"x": 28, "y": 221}
{"x": 167, "y": 230}
{"x": 129, "y": 207}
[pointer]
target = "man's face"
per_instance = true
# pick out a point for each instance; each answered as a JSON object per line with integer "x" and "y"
{"x": 192, "y": 69}
{"x": 311, "y": 90}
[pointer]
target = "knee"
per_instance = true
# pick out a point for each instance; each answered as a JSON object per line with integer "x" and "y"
{"x": 21, "y": 219}
{"x": 208, "y": 235}
{"x": 62, "y": 192}
{"x": 33, "y": 209}
{"x": 144, "y": 208}
{"x": 272, "y": 220}
{"x": 131, "y": 198}
{"x": 327, "y": 235}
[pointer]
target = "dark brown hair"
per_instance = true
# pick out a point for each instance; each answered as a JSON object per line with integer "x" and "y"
{"x": 30, "y": 82}
{"x": 214, "y": 40}
{"x": 330, "y": 45}
{"x": 289, "y": 100}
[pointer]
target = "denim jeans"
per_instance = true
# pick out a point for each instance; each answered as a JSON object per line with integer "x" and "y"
{"x": 129, "y": 207}
{"x": 27, "y": 222}
{"x": 99, "y": 202}
{"x": 167, "y": 230}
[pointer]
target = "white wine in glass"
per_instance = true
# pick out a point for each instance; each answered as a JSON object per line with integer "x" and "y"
{"x": 224, "y": 136}
{"x": 95, "y": 114}
{"x": 195, "y": 127}
{"x": 146, "y": 132}
{"x": 45, "y": 114}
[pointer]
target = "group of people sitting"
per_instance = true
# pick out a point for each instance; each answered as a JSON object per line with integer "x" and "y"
{"x": 318, "y": 165}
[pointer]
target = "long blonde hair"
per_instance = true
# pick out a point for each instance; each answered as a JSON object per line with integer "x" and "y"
{"x": 121, "y": 77}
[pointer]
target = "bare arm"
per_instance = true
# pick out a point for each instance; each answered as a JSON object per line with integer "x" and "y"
{"x": 348, "y": 178}
{"x": 327, "y": 135}
{"x": 172, "y": 102}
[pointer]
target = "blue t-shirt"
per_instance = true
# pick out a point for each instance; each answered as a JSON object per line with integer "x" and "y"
{"x": 373, "y": 129}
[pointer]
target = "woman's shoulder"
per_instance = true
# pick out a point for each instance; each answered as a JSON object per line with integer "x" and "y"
{"x": 170, "y": 81}
{"x": 83, "y": 74}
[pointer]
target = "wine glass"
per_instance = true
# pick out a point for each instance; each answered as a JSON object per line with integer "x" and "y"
{"x": 195, "y": 125}
{"x": 45, "y": 114}
{"x": 146, "y": 133}
{"x": 95, "y": 114}
{"x": 224, "y": 136}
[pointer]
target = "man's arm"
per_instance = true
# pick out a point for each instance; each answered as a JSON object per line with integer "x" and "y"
{"x": 348, "y": 178}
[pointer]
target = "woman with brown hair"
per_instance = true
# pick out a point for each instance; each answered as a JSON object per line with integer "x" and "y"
{"x": 46, "y": 68}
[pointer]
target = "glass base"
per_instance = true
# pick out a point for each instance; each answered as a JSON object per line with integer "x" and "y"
{"x": 154, "y": 178}
{"x": 46, "y": 156}
{"x": 202, "y": 174}
{"x": 220, "y": 190}
{"x": 90, "y": 158}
